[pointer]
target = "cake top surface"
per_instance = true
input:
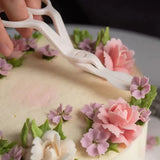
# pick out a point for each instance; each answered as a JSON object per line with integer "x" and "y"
{"x": 39, "y": 89}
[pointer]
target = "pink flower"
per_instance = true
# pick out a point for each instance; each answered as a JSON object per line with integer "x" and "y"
{"x": 144, "y": 114}
{"x": 115, "y": 56}
{"x": 119, "y": 119}
{"x": 19, "y": 44}
{"x": 31, "y": 43}
{"x": 15, "y": 154}
{"x": 151, "y": 142}
{"x": 91, "y": 110}
{"x": 87, "y": 45}
{"x": 16, "y": 54}
{"x": 95, "y": 142}
{"x": 139, "y": 87}
{"x": 55, "y": 116}
{"x": 4, "y": 67}
{"x": 47, "y": 51}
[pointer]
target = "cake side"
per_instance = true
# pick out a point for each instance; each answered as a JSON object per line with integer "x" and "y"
{"x": 40, "y": 86}
{"x": 61, "y": 82}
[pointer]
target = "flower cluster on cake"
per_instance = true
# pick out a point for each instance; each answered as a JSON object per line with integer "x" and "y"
{"x": 109, "y": 126}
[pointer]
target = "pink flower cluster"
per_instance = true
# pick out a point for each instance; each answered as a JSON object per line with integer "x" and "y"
{"x": 4, "y": 67}
{"x": 95, "y": 142}
{"x": 116, "y": 121}
{"x": 24, "y": 44}
{"x": 87, "y": 45}
{"x": 21, "y": 45}
{"x": 15, "y": 154}
{"x": 144, "y": 114}
{"x": 152, "y": 141}
{"x": 47, "y": 51}
{"x": 139, "y": 87}
{"x": 91, "y": 110}
{"x": 56, "y": 115}
{"x": 115, "y": 56}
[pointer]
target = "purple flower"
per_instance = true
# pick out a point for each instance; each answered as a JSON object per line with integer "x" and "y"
{"x": 19, "y": 44}
{"x": 87, "y": 45}
{"x": 55, "y": 116}
{"x": 139, "y": 87}
{"x": 15, "y": 154}
{"x": 4, "y": 67}
{"x": 144, "y": 114}
{"x": 95, "y": 142}
{"x": 151, "y": 142}
{"x": 31, "y": 43}
{"x": 91, "y": 110}
{"x": 47, "y": 51}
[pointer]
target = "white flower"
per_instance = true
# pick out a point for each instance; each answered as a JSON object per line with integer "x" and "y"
{"x": 51, "y": 147}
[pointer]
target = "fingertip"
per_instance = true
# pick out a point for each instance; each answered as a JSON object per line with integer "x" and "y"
{"x": 5, "y": 49}
{"x": 25, "y": 32}
{"x": 6, "y": 45}
{"x": 38, "y": 17}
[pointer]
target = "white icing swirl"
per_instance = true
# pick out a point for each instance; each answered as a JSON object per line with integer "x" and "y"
{"x": 50, "y": 147}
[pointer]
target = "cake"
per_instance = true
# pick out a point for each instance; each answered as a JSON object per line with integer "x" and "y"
{"x": 85, "y": 104}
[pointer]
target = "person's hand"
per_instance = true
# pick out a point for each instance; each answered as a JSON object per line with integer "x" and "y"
{"x": 15, "y": 10}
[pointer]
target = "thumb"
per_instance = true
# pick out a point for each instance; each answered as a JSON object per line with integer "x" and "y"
{"x": 17, "y": 10}
{"x": 6, "y": 45}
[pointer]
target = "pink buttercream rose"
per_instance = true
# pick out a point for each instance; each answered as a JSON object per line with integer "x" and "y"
{"x": 115, "y": 56}
{"x": 119, "y": 119}
{"x": 20, "y": 45}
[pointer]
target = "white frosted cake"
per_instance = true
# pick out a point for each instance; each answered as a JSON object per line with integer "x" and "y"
{"x": 115, "y": 128}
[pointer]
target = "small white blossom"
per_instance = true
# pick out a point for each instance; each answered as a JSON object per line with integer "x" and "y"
{"x": 51, "y": 147}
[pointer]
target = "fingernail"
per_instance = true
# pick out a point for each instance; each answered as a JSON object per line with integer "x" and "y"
{"x": 4, "y": 49}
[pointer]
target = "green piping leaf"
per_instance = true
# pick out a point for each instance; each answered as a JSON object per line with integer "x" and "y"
{"x": 45, "y": 127}
{"x": 147, "y": 101}
{"x": 36, "y": 131}
{"x": 58, "y": 128}
{"x": 24, "y": 133}
{"x": 5, "y": 146}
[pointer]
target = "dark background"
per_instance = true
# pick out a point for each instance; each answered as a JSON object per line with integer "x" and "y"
{"x": 136, "y": 15}
{"x": 142, "y": 16}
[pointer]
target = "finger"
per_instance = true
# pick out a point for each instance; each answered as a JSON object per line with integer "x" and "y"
{"x": 34, "y": 4}
{"x": 17, "y": 10}
{"x": 6, "y": 45}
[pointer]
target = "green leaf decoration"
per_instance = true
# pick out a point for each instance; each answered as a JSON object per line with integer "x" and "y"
{"x": 58, "y": 128}
{"x": 103, "y": 37}
{"x": 147, "y": 101}
{"x": 113, "y": 147}
{"x": 45, "y": 127}
{"x": 36, "y": 35}
{"x": 140, "y": 123}
{"x": 135, "y": 101}
{"x": 29, "y": 52}
{"x": 158, "y": 140}
{"x": 2, "y": 56}
{"x": 106, "y": 36}
{"x": 47, "y": 57}
{"x": 89, "y": 122}
{"x": 80, "y": 35}
{"x": 17, "y": 36}
{"x": 24, "y": 133}
{"x": 98, "y": 40}
{"x": 36, "y": 131}
{"x": 5, "y": 146}
{"x": 16, "y": 62}
{"x": 1, "y": 76}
